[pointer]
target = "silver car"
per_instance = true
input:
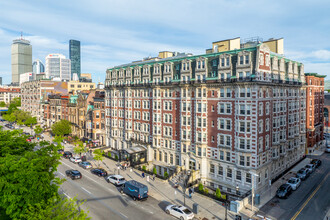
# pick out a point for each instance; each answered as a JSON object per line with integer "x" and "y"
{"x": 115, "y": 179}
{"x": 294, "y": 183}
{"x": 310, "y": 167}
{"x": 181, "y": 212}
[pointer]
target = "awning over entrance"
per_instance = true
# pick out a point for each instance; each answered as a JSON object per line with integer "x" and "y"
{"x": 135, "y": 149}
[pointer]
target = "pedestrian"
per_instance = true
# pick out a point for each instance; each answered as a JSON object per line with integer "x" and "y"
{"x": 153, "y": 177}
{"x": 147, "y": 178}
{"x": 125, "y": 166}
{"x": 190, "y": 191}
{"x": 131, "y": 170}
{"x": 142, "y": 175}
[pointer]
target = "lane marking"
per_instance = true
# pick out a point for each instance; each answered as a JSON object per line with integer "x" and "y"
{"x": 67, "y": 195}
{"x": 309, "y": 198}
{"x": 61, "y": 173}
{"x": 86, "y": 190}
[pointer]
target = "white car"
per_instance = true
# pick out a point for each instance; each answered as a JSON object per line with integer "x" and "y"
{"x": 75, "y": 159}
{"x": 310, "y": 167}
{"x": 181, "y": 212}
{"x": 115, "y": 179}
{"x": 294, "y": 183}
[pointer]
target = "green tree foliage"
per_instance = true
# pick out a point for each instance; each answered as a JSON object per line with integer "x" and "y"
{"x": 166, "y": 174}
{"x": 154, "y": 171}
{"x": 2, "y": 104}
{"x": 79, "y": 148}
{"x": 16, "y": 101}
{"x": 12, "y": 107}
{"x": 30, "y": 121}
{"x": 58, "y": 140}
{"x": 28, "y": 186}
{"x": 218, "y": 193}
{"x": 98, "y": 155}
{"x": 201, "y": 187}
{"x": 62, "y": 127}
{"x": 38, "y": 130}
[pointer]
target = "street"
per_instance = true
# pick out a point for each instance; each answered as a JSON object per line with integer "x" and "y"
{"x": 103, "y": 199}
{"x": 310, "y": 201}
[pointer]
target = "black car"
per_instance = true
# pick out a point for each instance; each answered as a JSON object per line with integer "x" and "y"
{"x": 284, "y": 191}
{"x": 316, "y": 162}
{"x": 99, "y": 172}
{"x": 60, "y": 151}
{"x": 67, "y": 154}
{"x": 26, "y": 133}
{"x": 74, "y": 174}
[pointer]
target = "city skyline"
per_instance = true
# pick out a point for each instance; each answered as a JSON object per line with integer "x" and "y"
{"x": 115, "y": 38}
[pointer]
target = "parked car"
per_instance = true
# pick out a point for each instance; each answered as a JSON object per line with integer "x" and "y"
{"x": 74, "y": 174}
{"x": 26, "y": 133}
{"x": 284, "y": 191}
{"x": 135, "y": 189}
{"x": 67, "y": 154}
{"x": 316, "y": 162}
{"x": 327, "y": 150}
{"x": 115, "y": 179}
{"x": 302, "y": 174}
{"x": 99, "y": 172}
{"x": 310, "y": 167}
{"x": 294, "y": 183}
{"x": 60, "y": 151}
{"x": 28, "y": 140}
{"x": 75, "y": 159}
{"x": 181, "y": 212}
{"x": 85, "y": 164}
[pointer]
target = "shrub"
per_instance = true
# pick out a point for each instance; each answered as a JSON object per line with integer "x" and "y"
{"x": 144, "y": 168}
{"x": 154, "y": 171}
{"x": 109, "y": 154}
{"x": 201, "y": 187}
{"x": 223, "y": 196}
{"x": 218, "y": 193}
{"x": 206, "y": 191}
{"x": 116, "y": 157}
{"x": 166, "y": 175}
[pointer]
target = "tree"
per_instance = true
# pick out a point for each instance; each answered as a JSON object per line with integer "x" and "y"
{"x": 30, "y": 121}
{"x": 16, "y": 101}
{"x": 38, "y": 130}
{"x": 200, "y": 187}
{"x": 62, "y": 127}
{"x": 154, "y": 171}
{"x": 12, "y": 107}
{"x": 58, "y": 140}
{"x": 218, "y": 193}
{"x": 98, "y": 155}
{"x": 2, "y": 104}
{"x": 80, "y": 148}
{"x": 28, "y": 186}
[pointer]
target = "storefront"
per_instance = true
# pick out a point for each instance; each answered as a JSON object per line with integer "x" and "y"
{"x": 135, "y": 155}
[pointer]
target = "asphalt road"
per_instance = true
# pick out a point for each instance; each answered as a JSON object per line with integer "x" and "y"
{"x": 103, "y": 199}
{"x": 310, "y": 201}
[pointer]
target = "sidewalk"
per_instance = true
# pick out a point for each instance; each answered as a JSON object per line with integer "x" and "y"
{"x": 163, "y": 191}
{"x": 267, "y": 195}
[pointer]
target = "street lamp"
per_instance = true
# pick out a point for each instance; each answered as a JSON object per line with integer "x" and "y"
{"x": 252, "y": 205}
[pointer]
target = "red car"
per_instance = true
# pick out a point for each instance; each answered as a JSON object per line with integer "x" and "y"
{"x": 28, "y": 140}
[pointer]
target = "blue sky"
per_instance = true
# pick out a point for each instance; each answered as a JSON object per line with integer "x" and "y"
{"x": 117, "y": 32}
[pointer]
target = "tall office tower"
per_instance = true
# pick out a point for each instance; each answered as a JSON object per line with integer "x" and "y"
{"x": 235, "y": 116}
{"x": 38, "y": 67}
{"x": 74, "y": 55}
{"x": 57, "y": 66}
{"x": 21, "y": 59}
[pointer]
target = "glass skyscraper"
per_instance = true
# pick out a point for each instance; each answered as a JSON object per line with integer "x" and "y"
{"x": 74, "y": 55}
{"x": 38, "y": 67}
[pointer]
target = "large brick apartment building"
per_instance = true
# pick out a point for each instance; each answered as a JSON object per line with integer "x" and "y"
{"x": 235, "y": 113}
{"x": 314, "y": 111}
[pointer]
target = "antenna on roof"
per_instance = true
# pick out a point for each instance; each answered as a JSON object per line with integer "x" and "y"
{"x": 21, "y": 35}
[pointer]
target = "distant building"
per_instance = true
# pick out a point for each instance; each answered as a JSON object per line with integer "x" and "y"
{"x": 35, "y": 93}
{"x": 86, "y": 75}
{"x": 38, "y": 67}
{"x": 74, "y": 55}
{"x": 21, "y": 59}
{"x": 8, "y": 93}
{"x": 76, "y": 86}
{"x": 1, "y": 81}
{"x": 25, "y": 77}
{"x": 57, "y": 66}
{"x": 40, "y": 76}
